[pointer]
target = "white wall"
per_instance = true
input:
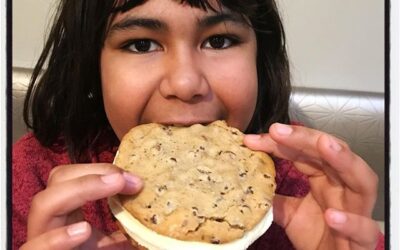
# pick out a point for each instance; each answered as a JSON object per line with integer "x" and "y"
{"x": 336, "y": 43}
{"x": 29, "y": 23}
{"x": 332, "y": 43}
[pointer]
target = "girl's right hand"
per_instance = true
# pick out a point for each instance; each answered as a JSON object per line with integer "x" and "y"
{"x": 55, "y": 220}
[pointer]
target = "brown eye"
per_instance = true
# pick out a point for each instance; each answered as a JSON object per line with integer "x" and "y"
{"x": 217, "y": 42}
{"x": 220, "y": 42}
{"x": 143, "y": 46}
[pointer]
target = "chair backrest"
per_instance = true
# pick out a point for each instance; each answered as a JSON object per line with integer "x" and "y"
{"x": 356, "y": 117}
{"x": 20, "y": 81}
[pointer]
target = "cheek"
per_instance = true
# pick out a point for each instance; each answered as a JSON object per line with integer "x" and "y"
{"x": 124, "y": 98}
{"x": 238, "y": 91}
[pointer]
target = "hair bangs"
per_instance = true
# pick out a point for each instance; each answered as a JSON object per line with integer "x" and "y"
{"x": 213, "y": 5}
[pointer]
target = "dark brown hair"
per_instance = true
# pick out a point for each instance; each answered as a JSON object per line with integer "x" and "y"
{"x": 65, "y": 100}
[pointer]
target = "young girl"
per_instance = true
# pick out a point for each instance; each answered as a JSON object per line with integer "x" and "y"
{"x": 115, "y": 64}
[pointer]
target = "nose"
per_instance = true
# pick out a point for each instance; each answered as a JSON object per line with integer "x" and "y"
{"x": 183, "y": 78}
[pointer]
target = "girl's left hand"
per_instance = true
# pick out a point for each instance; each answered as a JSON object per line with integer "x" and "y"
{"x": 336, "y": 213}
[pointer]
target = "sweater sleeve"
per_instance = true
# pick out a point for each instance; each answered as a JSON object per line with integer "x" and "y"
{"x": 31, "y": 165}
{"x": 381, "y": 242}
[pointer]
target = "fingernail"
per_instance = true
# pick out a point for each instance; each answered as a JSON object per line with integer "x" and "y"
{"x": 132, "y": 180}
{"x": 110, "y": 178}
{"x": 338, "y": 217}
{"x": 77, "y": 229}
{"x": 253, "y": 137}
{"x": 283, "y": 129}
{"x": 334, "y": 145}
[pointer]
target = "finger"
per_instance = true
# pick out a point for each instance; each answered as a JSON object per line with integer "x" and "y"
{"x": 67, "y": 172}
{"x": 70, "y": 195}
{"x": 62, "y": 238}
{"x": 351, "y": 169}
{"x": 50, "y": 207}
{"x": 285, "y": 141}
{"x": 362, "y": 231}
{"x": 307, "y": 160}
{"x": 311, "y": 150}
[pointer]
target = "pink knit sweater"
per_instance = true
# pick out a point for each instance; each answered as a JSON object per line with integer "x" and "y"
{"x": 31, "y": 165}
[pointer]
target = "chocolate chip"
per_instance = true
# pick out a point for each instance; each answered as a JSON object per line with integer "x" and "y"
{"x": 203, "y": 171}
{"x": 249, "y": 190}
{"x": 153, "y": 219}
{"x": 215, "y": 241}
{"x": 162, "y": 188}
{"x": 229, "y": 152}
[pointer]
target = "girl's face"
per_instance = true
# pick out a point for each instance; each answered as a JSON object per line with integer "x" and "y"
{"x": 166, "y": 62}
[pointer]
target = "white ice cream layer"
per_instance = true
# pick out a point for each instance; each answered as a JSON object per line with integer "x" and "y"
{"x": 154, "y": 241}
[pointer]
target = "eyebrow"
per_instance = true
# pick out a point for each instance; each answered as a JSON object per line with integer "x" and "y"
{"x": 132, "y": 22}
{"x": 213, "y": 20}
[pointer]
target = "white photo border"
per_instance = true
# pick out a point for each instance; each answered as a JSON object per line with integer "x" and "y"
{"x": 394, "y": 167}
{"x": 394, "y": 123}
